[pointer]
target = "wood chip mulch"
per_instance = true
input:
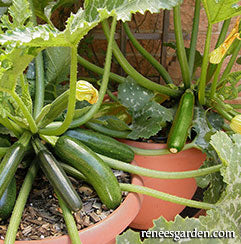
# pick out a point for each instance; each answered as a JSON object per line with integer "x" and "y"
{"x": 42, "y": 216}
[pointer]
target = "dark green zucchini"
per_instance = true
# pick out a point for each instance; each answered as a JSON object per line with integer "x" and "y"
{"x": 7, "y": 200}
{"x": 103, "y": 144}
{"x": 182, "y": 122}
{"x": 12, "y": 159}
{"x": 98, "y": 174}
{"x": 57, "y": 176}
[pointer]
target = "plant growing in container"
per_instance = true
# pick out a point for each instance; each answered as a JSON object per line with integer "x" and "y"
{"x": 204, "y": 104}
{"x": 34, "y": 121}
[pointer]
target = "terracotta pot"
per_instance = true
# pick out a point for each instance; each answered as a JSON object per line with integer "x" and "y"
{"x": 153, "y": 208}
{"x": 105, "y": 231}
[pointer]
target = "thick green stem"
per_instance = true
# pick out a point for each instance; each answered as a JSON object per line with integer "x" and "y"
{"x": 72, "y": 98}
{"x": 221, "y": 108}
{"x": 112, "y": 96}
{"x": 102, "y": 129}
{"x": 40, "y": 86}
{"x": 202, "y": 82}
{"x": 104, "y": 84}
{"x": 231, "y": 61}
{"x": 181, "y": 53}
{"x": 140, "y": 79}
{"x": 119, "y": 165}
{"x": 164, "y": 196}
{"x": 165, "y": 75}
{"x": 99, "y": 70}
{"x": 39, "y": 69}
{"x": 221, "y": 38}
{"x": 73, "y": 172}
{"x": 215, "y": 79}
{"x": 69, "y": 221}
{"x": 235, "y": 106}
{"x": 193, "y": 42}
{"x": 10, "y": 125}
{"x": 20, "y": 204}
{"x": 51, "y": 111}
{"x": 156, "y": 152}
{"x": 26, "y": 113}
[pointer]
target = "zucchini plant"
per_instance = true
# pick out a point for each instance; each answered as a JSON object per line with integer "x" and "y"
{"x": 37, "y": 121}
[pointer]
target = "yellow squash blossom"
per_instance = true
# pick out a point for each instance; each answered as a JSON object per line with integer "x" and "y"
{"x": 236, "y": 124}
{"x": 85, "y": 91}
{"x": 217, "y": 54}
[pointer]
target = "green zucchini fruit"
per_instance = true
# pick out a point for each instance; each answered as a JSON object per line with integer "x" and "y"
{"x": 7, "y": 201}
{"x": 57, "y": 176}
{"x": 11, "y": 160}
{"x": 182, "y": 122}
{"x": 98, "y": 174}
{"x": 106, "y": 131}
{"x": 103, "y": 144}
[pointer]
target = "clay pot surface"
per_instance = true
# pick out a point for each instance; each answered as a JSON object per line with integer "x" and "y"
{"x": 105, "y": 231}
{"x": 153, "y": 208}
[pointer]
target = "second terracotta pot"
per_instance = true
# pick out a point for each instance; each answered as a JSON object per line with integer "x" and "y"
{"x": 153, "y": 208}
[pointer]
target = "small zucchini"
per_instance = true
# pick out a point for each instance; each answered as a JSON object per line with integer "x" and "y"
{"x": 98, "y": 174}
{"x": 103, "y": 144}
{"x": 57, "y": 176}
{"x": 7, "y": 200}
{"x": 182, "y": 122}
{"x": 12, "y": 159}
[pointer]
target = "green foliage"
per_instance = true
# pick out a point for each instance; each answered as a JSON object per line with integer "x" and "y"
{"x": 148, "y": 116}
{"x": 11, "y": 68}
{"x": 79, "y": 24}
{"x": 124, "y": 8}
{"x": 133, "y": 96}
{"x": 45, "y": 8}
{"x": 57, "y": 64}
{"x": 202, "y": 128}
{"x": 19, "y": 14}
{"x": 221, "y": 10}
{"x": 229, "y": 90}
{"x": 5, "y": 105}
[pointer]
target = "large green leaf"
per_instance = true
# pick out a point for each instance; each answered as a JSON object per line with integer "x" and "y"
{"x": 149, "y": 120}
{"x": 133, "y": 96}
{"x": 19, "y": 14}
{"x": 79, "y": 24}
{"x": 124, "y": 8}
{"x": 229, "y": 90}
{"x": 219, "y": 10}
{"x": 57, "y": 64}
{"x": 11, "y": 67}
{"x": 148, "y": 116}
{"x": 48, "y": 6}
{"x": 202, "y": 128}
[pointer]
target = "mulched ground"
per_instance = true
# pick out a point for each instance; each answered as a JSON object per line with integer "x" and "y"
{"x": 42, "y": 216}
